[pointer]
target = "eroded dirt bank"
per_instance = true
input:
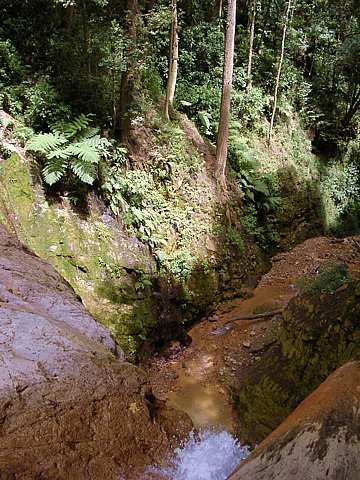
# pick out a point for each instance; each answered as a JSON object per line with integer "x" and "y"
{"x": 70, "y": 406}
{"x": 198, "y": 379}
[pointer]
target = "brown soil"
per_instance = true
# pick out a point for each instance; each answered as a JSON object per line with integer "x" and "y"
{"x": 197, "y": 379}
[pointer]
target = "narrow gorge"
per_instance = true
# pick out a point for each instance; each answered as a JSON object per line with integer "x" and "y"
{"x": 179, "y": 240}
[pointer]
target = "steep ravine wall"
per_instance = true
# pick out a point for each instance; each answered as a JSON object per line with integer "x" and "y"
{"x": 115, "y": 275}
{"x": 210, "y": 243}
{"x": 319, "y": 333}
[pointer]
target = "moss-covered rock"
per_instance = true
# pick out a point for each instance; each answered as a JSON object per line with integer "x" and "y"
{"x": 92, "y": 252}
{"x": 320, "y": 439}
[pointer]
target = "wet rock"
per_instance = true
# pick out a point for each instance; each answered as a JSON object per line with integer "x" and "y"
{"x": 70, "y": 406}
{"x": 319, "y": 440}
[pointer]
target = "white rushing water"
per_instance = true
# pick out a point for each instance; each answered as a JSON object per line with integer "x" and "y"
{"x": 211, "y": 455}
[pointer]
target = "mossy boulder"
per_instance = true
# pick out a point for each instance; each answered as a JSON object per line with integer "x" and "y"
{"x": 320, "y": 439}
{"x": 320, "y": 332}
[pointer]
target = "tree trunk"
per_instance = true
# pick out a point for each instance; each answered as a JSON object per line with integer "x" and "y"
{"x": 173, "y": 60}
{"x": 220, "y": 8}
{"x": 277, "y": 83}
{"x": 223, "y": 131}
{"x": 251, "y": 45}
{"x": 127, "y": 79}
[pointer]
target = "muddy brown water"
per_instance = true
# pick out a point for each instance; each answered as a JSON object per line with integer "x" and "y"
{"x": 200, "y": 375}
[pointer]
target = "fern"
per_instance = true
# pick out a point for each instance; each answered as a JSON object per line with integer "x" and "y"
{"x": 87, "y": 134}
{"x": 79, "y": 124}
{"x": 46, "y": 142}
{"x": 85, "y": 171}
{"x": 54, "y": 170}
{"x": 63, "y": 153}
{"x": 85, "y": 152}
{"x": 73, "y": 145}
{"x": 98, "y": 142}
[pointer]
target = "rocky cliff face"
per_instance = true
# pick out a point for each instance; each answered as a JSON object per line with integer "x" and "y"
{"x": 70, "y": 407}
{"x": 319, "y": 440}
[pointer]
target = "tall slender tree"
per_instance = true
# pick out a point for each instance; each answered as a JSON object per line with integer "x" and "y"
{"x": 173, "y": 59}
{"x": 223, "y": 130}
{"x": 220, "y": 8}
{"x": 281, "y": 60}
{"x": 251, "y": 44}
{"x": 127, "y": 80}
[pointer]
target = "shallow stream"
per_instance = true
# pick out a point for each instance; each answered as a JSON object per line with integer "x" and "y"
{"x": 210, "y": 455}
{"x": 199, "y": 379}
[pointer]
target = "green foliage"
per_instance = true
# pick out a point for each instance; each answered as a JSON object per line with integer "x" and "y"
{"x": 43, "y": 105}
{"x": 341, "y": 197}
{"x": 23, "y": 134}
{"x": 6, "y": 123}
{"x": 260, "y": 190}
{"x": 235, "y": 239}
{"x": 249, "y": 107}
{"x": 134, "y": 194}
{"x": 330, "y": 278}
{"x": 5, "y": 152}
{"x": 36, "y": 101}
{"x": 73, "y": 145}
{"x": 11, "y": 67}
{"x": 159, "y": 205}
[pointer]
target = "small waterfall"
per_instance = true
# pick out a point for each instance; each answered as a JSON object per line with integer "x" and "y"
{"x": 210, "y": 455}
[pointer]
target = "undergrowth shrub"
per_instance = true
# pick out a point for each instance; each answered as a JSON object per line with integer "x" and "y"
{"x": 249, "y": 107}
{"x": 158, "y": 202}
{"x": 341, "y": 198}
{"x": 330, "y": 278}
{"x": 261, "y": 192}
{"x": 35, "y": 101}
{"x": 42, "y": 105}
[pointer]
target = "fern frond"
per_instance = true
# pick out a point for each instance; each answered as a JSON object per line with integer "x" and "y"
{"x": 84, "y": 170}
{"x": 45, "y": 142}
{"x": 63, "y": 153}
{"x": 86, "y": 133}
{"x": 85, "y": 152}
{"x": 99, "y": 142}
{"x": 72, "y": 128}
{"x": 54, "y": 170}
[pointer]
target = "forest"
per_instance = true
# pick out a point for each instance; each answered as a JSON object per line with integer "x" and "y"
{"x": 67, "y": 66}
{"x": 179, "y": 239}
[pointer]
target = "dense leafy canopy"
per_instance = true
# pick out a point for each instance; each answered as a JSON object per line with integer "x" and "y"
{"x": 61, "y": 59}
